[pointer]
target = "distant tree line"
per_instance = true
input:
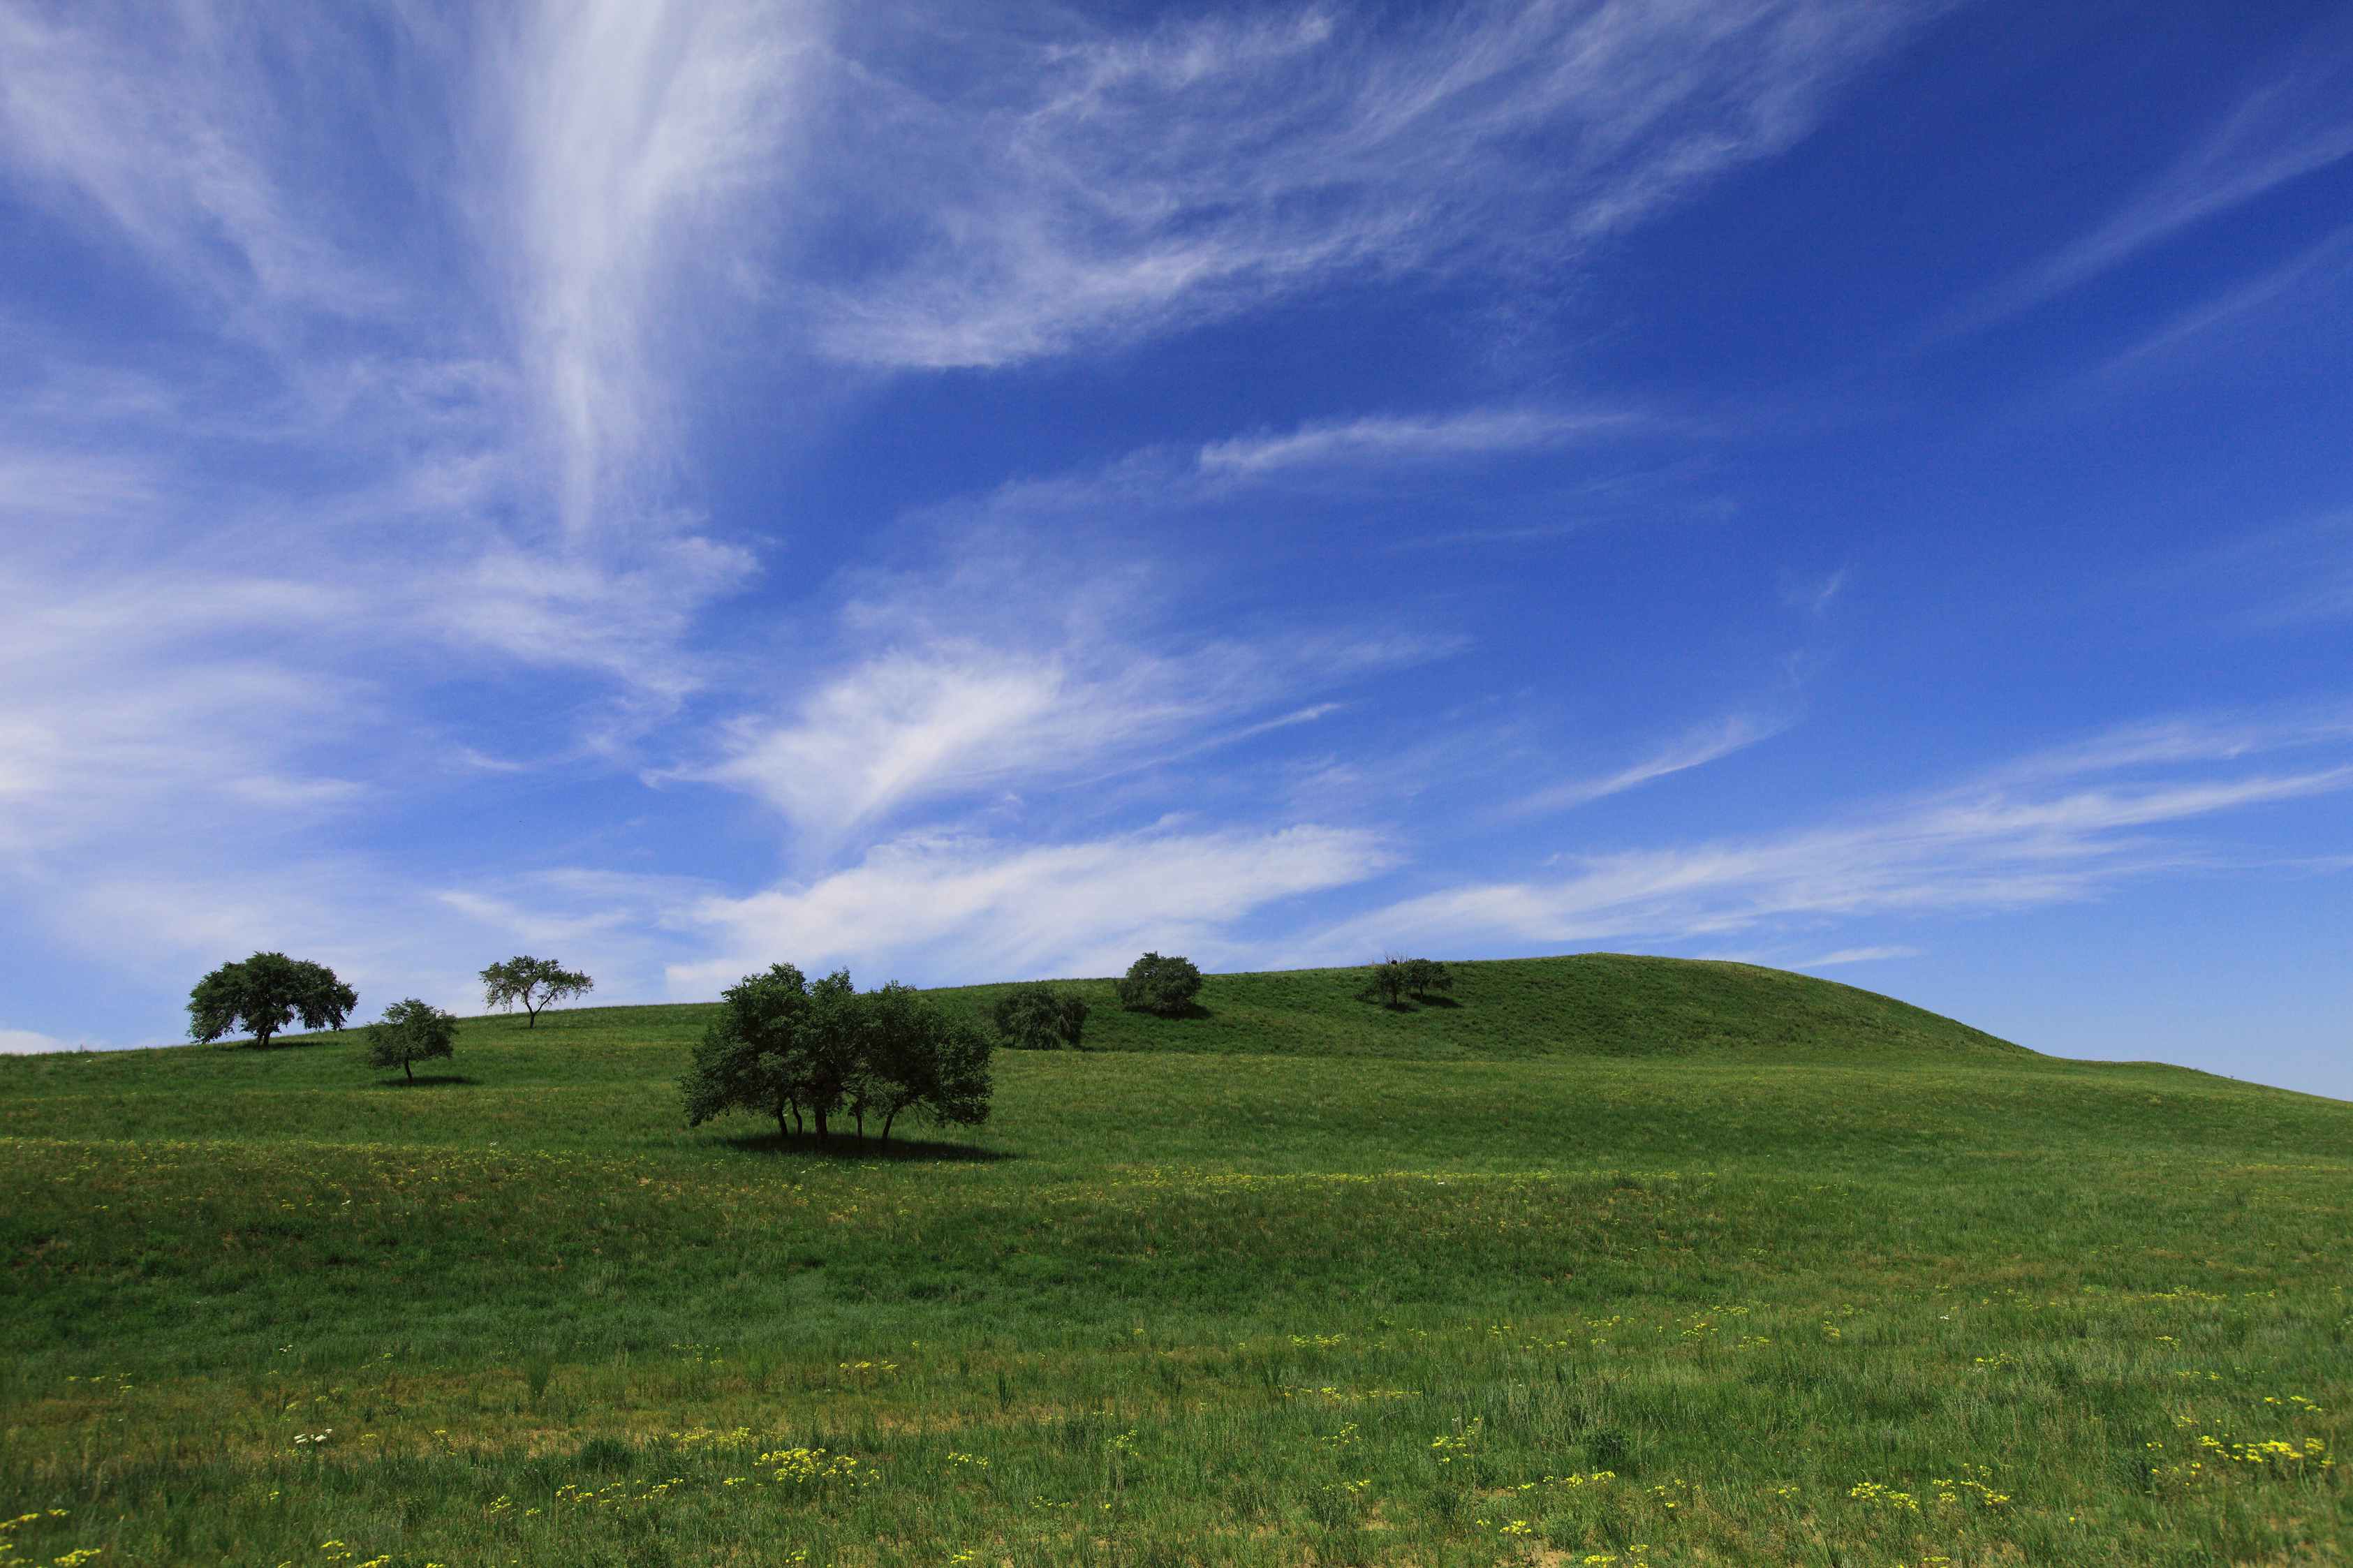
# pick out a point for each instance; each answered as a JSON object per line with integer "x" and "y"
{"x": 263, "y": 995}
{"x": 805, "y": 1053}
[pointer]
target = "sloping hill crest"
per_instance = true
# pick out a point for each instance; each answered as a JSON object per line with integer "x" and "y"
{"x": 1599, "y": 1005}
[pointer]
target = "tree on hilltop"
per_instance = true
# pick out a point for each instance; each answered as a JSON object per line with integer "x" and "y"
{"x": 1037, "y": 1016}
{"x": 263, "y": 995}
{"x": 531, "y": 984}
{"x": 1156, "y": 984}
{"x": 411, "y": 1032}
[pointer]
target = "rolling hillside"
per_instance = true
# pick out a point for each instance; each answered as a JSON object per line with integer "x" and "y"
{"x": 1614, "y": 1260}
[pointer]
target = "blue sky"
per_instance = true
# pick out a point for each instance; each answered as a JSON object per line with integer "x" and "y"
{"x": 978, "y": 491}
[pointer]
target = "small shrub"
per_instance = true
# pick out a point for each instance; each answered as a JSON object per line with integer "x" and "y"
{"x": 1037, "y": 1017}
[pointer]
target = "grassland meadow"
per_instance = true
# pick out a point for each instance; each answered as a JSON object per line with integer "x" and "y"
{"x": 1611, "y": 1262}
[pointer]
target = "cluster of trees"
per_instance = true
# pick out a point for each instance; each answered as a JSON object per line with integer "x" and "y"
{"x": 805, "y": 1052}
{"x": 1393, "y": 979}
{"x": 263, "y": 995}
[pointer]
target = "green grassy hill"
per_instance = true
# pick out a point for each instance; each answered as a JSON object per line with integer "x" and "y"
{"x": 1615, "y": 1259}
{"x": 1601, "y": 1004}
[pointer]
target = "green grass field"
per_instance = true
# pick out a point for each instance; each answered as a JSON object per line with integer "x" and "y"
{"x": 1614, "y": 1261}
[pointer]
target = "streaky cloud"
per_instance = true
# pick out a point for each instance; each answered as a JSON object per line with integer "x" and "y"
{"x": 1701, "y": 747}
{"x": 943, "y": 908}
{"x": 1112, "y": 187}
{"x": 2037, "y": 834}
{"x": 2293, "y": 126}
{"x": 1381, "y": 440}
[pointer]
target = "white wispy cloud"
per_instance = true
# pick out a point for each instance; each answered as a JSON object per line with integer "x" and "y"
{"x": 164, "y": 121}
{"x": 1021, "y": 663}
{"x": 2283, "y": 577}
{"x": 428, "y": 341}
{"x": 938, "y": 909}
{"x": 1384, "y": 440}
{"x": 1103, "y": 186}
{"x": 2287, "y": 293}
{"x": 105, "y": 722}
{"x": 1697, "y": 749}
{"x": 1857, "y": 956}
{"x": 1814, "y": 595}
{"x": 636, "y": 139}
{"x": 2177, "y": 741}
{"x": 2295, "y": 125}
{"x": 2045, "y": 832}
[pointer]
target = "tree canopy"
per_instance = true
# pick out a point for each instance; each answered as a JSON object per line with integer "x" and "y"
{"x": 1041, "y": 1017}
{"x": 410, "y": 1032}
{"x": 804, "y": 1052}
{"x": 532, "y": 983}
{"x": 1165, "y": 985}
{"x": 263, "y": 995}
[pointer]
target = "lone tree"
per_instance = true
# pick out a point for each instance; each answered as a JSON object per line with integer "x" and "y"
{"x": 532, "y": 983}
{"x": 411, "y": 1032}
{"x": 1424, "y": 975}
{"x": 264, "y": 993}
{"x": 786, "y": 1046}
{"x": 1037, "y": 1016}
{"x": 1162, "y": 985}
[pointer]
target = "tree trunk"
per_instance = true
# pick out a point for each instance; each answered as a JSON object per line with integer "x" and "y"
{"x": 819, "y": 1112}
{"x": 781, "y": 1134}
{"x": 889, "y": 1116}
{"x": 409, "y": 1067}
